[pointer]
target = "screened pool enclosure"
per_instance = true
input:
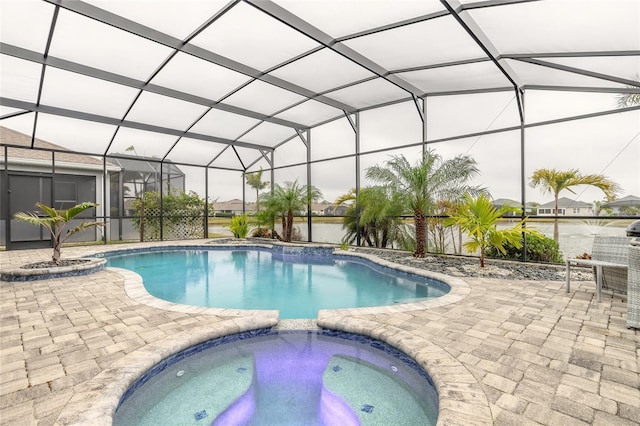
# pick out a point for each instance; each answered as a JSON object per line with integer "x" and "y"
{"x": 315, "y": 92}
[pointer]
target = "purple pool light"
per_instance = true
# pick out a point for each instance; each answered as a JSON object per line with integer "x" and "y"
{"x": 282, "y": 374}
{"x": 272, "y": 378}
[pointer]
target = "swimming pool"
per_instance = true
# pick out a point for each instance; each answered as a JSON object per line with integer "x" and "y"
{"x": 273, "y": 378}
{"x": 296, "y": 284}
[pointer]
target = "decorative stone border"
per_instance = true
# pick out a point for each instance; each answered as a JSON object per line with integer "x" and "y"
{"x": 91, "y": 266}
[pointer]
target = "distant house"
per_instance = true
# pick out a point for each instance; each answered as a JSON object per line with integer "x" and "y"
{"x": 624, "y": 206}
{"x": 332, "y": 210}
{"x": 566, "y": 207}
{"x": 233, "y": 207}
{"x": 499, "y": 202}
{"x": 319, "y": 209}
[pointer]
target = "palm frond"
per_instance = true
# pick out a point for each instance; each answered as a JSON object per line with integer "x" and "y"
{"x": 76, "y": 210}
{"x": 349, "y": 196}
{"x": 50, "y": 211}
{"x": 81, "y": 227}
{"x": 554, "y": 181}
{"x": 34, "y": 219}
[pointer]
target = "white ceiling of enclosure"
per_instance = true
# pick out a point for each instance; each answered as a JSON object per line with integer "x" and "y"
{"x": 178, "y": 76}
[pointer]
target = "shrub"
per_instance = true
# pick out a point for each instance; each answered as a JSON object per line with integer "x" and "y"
{"x": 261, "y": 232}
{"x": 478, "y": 217}
{"x": 539, "y": 249}
{"x": 296, "y": 235}
{"x": 239, "y": 226}
{"x": 182, "y": 216}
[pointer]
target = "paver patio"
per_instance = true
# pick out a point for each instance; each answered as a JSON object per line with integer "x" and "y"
{"x": 512, "y": 353}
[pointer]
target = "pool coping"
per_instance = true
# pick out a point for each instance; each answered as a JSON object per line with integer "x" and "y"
{"x": 460, "y": 395}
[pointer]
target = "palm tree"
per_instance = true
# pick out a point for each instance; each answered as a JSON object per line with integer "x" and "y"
{"x": 554, "y": 181}
{"x": 629, "y": 99}
{"x": 254, "y": 180}
{"x": 378, "y": 219}
{"x": 56, "y": 222}
{"x": 478, "y": 217}
{"x": 419, "y": 187}
{"x": 286, "y": 200}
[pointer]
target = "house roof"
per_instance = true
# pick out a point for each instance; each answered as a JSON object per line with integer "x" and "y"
{"x": 233, "y": 205}
{"x": 503, "y": 201}
{"x": 320, "y": 206}
{"x": 564, "y": 202}
{"x": 236, "y": 204}
{"x": 12, "y": 137}
{"x": 629, "y": 200}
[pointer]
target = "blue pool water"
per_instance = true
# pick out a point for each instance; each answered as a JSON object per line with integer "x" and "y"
{"x": 283, "y": 378}
{"x": 297, "y": 286}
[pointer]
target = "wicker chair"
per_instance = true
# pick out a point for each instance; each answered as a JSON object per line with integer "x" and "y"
{"x": 614, "y": 249}
{"x": 610, "y": 262}
{"x": 633, "y": 296}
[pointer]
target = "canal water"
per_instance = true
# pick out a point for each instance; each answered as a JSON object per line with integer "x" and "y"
{"x": 575, "y": 238}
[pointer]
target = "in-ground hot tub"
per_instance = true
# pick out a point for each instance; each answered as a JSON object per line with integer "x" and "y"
{"x": 283, "y": 378}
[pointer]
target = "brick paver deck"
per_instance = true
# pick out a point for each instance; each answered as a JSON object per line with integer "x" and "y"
{"x": 508, "y": 353}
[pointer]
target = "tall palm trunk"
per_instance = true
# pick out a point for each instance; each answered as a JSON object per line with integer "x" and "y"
{"x": 284, "y": 227}
{"x": 57, "y": 248}
{"x": 556, "y": 231}
{"x": 420, "y": 222}
{"x": 289, "y": 233}
{"x": 257, "y": 201}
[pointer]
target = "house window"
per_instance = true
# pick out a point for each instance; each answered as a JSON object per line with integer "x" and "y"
{"x": 66, "y": 192}
{"x": 70, "y": 190}
{"x": 576, "y": 211}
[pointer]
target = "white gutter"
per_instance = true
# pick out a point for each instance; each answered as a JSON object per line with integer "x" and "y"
{"x": 60, "y": 164}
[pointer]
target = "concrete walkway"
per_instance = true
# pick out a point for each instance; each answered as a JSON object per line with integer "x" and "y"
{"x": 508, "y": 353}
